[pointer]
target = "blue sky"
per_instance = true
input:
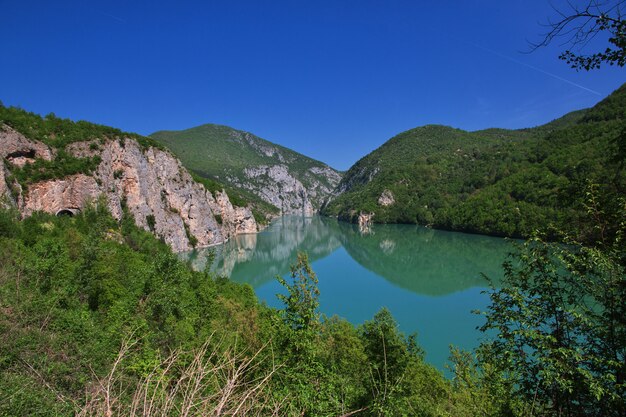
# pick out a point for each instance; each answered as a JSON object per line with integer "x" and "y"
{"x": 331, "y": 79}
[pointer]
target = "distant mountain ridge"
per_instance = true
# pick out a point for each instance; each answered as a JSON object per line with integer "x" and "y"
{"x": 494, "y": 181}
{"x": 288, "y": 180}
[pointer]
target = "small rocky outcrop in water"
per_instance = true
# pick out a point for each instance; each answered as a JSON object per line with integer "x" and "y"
{"x": 151, "y": 183}
{"x": 365, "y": 222}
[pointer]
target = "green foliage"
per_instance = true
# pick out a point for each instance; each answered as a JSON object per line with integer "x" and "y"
{"x": 389, "y": 356}
{"x": 61, "y": 166}
{"x": 215, "y": 151}
{"x": 496, "y": 181}
{"x": 151, "y": 222}
{"x": 610, "y": 21}
{"x": 58, "y": 133}
{"x": 72, "y": 288}
{"x": 8, "y": 223}
{"x": 75, "y": 289}
{"x": 559, "y": 322}
{"x": 303, "y": 300}
{"x": 193, "y": 241}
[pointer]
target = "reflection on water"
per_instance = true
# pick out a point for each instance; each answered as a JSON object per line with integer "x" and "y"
{"x": 257, "y": 259}
{"x": 430, "y": 280}
{"x": 425, "y": 261}
{"x": 419, "y": 259}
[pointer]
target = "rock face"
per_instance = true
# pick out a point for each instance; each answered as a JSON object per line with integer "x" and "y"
{"x": 386, "y": 199}
{"x": 365, "y": 222}
{"x": 5, "y": 192}
{"x": 279, "y": 186}
{"x": 151, "y": 183}
{"x": 69, "y": 193}
{"x": 18, "y": 150}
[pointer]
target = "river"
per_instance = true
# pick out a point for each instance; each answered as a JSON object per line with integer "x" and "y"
{"x": 430, "y": 280}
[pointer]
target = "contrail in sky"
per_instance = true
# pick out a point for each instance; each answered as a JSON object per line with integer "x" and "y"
{"x": 119, "y": 19}
{"x": 508, "y": 58}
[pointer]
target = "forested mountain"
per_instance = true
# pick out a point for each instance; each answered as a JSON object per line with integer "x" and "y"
{"x": 290, "y": 181}
{"x": 494, "y": 181}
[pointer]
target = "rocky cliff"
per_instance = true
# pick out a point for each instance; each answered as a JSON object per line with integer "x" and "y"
{"x": 152, "y": 184}
{"x": 279, "y": 176}
{"x": 279, "y": 186}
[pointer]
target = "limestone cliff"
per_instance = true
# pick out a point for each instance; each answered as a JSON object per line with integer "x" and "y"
{"x": 279, "y": 185}
{"x": 151, "y": 183}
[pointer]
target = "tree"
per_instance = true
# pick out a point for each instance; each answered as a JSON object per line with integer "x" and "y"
{"x": 579, "y": 25}
{"x": 303, "y": 371}
{"x": 559, "y": 322}
{"x": 303, "y": 300}
{"x": 389, "y": 355}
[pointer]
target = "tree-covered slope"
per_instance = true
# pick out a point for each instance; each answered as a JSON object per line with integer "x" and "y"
{"x": 290, "y": 181}
{"x": 494, "y": 181}
{"x": 99, "y": 318}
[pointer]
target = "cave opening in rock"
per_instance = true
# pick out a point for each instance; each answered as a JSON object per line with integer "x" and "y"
{"x": 69, "y": 212}
{"x": 24, "y": 153}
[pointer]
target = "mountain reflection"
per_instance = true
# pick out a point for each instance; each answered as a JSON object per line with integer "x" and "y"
{"x": 421, "y": 260}
{"x": 257, "y": 259}
{"x": 426, "y": 261}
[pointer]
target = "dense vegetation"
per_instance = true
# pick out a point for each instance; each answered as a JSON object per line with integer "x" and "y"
{"x": 559, "y": 320}
{"x": 496, "y": 181}
{"x": 94, "y": 313}
{"x": 100, "y": 318}
{"x": 61, "y": 166}
{"x": 216, "y": 151}
{"x": 58, "y": 133}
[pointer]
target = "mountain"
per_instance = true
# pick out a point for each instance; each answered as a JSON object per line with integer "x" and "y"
{"x": 58, "y": 166}
{"x": 495, "y": 181}
{"x": 279, "y": 176}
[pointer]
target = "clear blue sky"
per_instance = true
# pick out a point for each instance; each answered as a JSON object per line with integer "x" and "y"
{"x": 331, "y": 79}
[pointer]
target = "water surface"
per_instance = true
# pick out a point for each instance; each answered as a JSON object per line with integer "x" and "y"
{"x": 430, "y": 280}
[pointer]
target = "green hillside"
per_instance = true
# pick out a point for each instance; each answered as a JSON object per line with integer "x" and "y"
{"x": 99, "y": 318}
{"x": 494, "y": 181}
{"x": 224, "y": 154}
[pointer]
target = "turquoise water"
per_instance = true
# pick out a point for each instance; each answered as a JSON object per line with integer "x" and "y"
{"x": 430, "y": 280}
